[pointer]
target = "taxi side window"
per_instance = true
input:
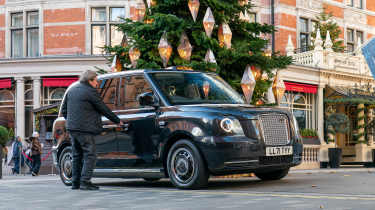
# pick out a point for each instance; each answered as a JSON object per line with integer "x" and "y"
{"x": 109, "y": 91}
{"x": 130, "y": 88}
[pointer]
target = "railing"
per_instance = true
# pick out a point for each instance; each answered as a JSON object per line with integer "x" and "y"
{"x": 304, "y": 58}
{"x": 310, "y": 157}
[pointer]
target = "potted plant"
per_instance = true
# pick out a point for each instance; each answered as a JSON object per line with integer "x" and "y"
{"x": 336, "y": 123}
{"x": 4, "y": 136}
{"x": 310, "y": 136}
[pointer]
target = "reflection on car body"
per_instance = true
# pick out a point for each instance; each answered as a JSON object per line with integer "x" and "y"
{"x": 186, "y": 126}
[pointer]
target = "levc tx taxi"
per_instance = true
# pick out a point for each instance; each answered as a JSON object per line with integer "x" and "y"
{"x": 186, "y": 126}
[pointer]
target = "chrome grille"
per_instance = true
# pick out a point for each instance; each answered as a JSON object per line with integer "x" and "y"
{"x": 275, "y": 129}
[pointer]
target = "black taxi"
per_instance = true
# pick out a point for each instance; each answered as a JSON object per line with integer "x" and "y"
{"x": 186, "y": 126}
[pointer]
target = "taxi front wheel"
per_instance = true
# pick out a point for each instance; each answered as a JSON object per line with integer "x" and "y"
{"x": 66, "y": 166}
{"x": 186, "y": 167}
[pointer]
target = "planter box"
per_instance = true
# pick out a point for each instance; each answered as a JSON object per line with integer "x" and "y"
{"x": 334, "y": 155}
{"x": 311, "y": 140}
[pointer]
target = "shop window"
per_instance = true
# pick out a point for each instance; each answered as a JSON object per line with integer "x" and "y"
{"x": 301, "y": 105}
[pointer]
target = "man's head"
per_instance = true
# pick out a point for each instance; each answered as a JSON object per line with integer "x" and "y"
{"x": 89, "y": 77}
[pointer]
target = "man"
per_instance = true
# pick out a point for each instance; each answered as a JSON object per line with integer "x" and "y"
{"x": 17, "y": 155}
{"x": 83, "y": 109}
{"x": 36, "y": 151}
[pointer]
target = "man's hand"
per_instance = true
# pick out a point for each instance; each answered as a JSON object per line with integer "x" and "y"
{"x": 120, "y": 124}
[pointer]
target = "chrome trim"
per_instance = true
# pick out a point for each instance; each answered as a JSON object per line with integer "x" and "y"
{"x": 151, "y": 170}
{"x": 239, "y": 162}
{"x": 262, "y": 129}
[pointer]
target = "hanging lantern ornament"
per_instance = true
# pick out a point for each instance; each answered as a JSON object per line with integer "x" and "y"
{"x": 140, "y": 11}
{"x": 210, "y": 58}
{"x": 124, "y": 43}
{"x": 134, "y": 55}
{"x": 151, "y": 3}
{"x": 116, "y": 64}
{"x": 208, "y": 22}
{"x": 185, "y": 48}
{"x": 225, "y": 36}
{"x": 248, "y": 84}
{"x": 194, "y": 8}
{"x": 206, "y": 88}
{"x": 244, "y": 17}
{"x": 243, "y": 2}
{"x": 256, "y": 72}
{"x": 165, "y": 49}
{"x": 278, "y": 88}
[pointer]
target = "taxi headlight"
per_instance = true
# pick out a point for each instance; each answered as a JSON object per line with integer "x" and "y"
{"x": 231, "y": 126}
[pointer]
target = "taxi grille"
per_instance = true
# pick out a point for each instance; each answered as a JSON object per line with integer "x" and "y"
{"x": 275, "y": 129}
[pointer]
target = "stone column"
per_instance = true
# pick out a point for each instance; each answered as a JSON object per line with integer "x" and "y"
{"x": 36, "y": 95}
{"x": 370, "y": 118}
{"x": 361, "y": 123}
{"x": 20, "y": 107}
{"x": 320, "y": 113}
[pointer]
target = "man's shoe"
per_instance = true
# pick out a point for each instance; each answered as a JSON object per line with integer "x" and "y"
{"x": 33, "y": 174}
{"x": 75, "y": 186}
{"x": 88, "y": 186}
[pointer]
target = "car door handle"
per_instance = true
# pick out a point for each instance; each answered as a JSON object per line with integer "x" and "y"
{"x": 125, "y": 126}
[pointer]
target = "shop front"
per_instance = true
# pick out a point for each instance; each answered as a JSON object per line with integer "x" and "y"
{"x": 356, "y": 105}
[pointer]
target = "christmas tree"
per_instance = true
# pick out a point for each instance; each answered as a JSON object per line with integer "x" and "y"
{"x": 203, "y": 35}
{"x": 326, "y": 23}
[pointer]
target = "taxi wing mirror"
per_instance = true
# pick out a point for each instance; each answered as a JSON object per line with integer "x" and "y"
{"x": 148, "y": 99}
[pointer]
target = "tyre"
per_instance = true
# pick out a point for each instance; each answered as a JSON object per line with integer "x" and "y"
{"x": 66, "y": 166}
{"x": 273, "y": 175}
{"x": 151, "y": 179}
{"x": 186, "y": 167}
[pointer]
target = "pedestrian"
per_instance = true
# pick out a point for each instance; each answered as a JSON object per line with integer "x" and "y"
{"x": 36, "y": 151}
{"x": 17, "y": 156}
{"x": 83, "y": 108}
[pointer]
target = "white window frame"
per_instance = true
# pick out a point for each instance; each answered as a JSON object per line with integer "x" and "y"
{"x": 25, "y": 27}
{"x": 107, "y": 23}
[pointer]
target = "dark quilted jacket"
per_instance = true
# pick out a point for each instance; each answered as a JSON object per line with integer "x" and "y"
{"x": 83, "y": 108}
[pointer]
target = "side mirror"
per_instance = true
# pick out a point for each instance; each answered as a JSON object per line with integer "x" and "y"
{"x": 148, "y": 99}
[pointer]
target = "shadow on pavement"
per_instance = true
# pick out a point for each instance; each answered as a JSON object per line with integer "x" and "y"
{"x": 214, "y": 184}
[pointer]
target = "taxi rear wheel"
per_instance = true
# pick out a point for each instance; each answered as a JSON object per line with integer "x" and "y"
{"x": 273, "y": 175}
{"x": 186, "y": 167}
{"x": 66, "y": 166}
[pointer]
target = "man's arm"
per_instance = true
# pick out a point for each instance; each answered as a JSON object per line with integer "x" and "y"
{"x": 98, "y": 103}
{"x": 64, "y": 108}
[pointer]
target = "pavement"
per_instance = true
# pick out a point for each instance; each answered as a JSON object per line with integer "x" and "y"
{"x": 347, "y": 188}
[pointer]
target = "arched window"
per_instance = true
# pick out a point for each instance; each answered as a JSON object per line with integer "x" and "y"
{"x": 299, "y": 110}
{"x": 6, "y": 96}
{"x": 57, "y": 94}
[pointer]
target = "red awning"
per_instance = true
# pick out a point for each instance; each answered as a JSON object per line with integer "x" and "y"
{"x": 58, "y": 82}
{"x": 298, "y": 87}
{"x": 5, "y": 83}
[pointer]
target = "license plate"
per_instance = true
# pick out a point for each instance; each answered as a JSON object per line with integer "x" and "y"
{"x": 278, "y": 151}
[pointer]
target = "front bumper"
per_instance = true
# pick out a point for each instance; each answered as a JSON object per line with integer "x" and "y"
{"x": 54, "y": 156}
{"x": 236, "y": 154}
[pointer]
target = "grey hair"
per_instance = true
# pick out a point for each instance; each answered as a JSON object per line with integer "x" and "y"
{"x": 87, "y": 75}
